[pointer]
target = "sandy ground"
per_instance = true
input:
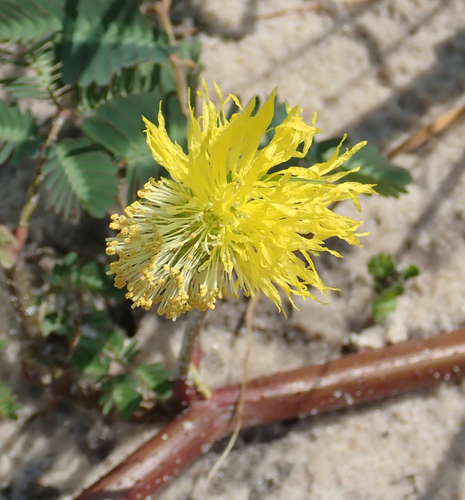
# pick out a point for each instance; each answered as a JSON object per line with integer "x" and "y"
{"x": 378, "y": 70}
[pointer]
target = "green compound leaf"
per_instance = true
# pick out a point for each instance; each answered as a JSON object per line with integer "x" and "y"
{"x": 124, "y": 349}
{"x": 121, "y": 392}
{"x": 25, "y": 20}
{"x": 18, "y": 135}
{"x": 53, "y": 323}
{"x": 45, "y": 83}
{"x": 89, "y": 356}
{"x": 89, "y": 361}
{"x": 62, "y": 270}
{"x": 8, "y": 406}
{"x": 117, "y": 126}
{"x": 90, "y": 276}
{"x": 133, "y": 80}
{"x": 97, "y": 324}
{"x": 77, "y": 173}
{"x": 155, "y": 377}
{"x": 101, "y": 37}
{"x": 25, "y": 86}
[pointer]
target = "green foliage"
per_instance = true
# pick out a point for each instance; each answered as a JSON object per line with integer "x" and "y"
{"x": 155, "y": 377}
{"x": 88, "y": 359}
{"x": 186, "y": 50}
{"x": 118, "y": 127}
{"x": 382, "y": 267}
{"x": 125, "y": 392}
{"x": 24, "y": 20}
{"x": 86, "y": 55}
{"x": 100, "y": 37}
{"x": 88, "y": 276}
{"x": 98, "y": 352}
{"x": 102, "y": 64}
{"x": 45, "y": 83}
{"x": 8, "y": 405}
{"x": 97, "y": 37}
{"x": 121, "y": 392}
{"x": 123, "y": 349}
{"x": 17, "y": 134}
{"x": 133, "y": 80}
{"x": 389, "y": 282}
{"x": 106, "y": 59}
{"x": 77, "y": 173}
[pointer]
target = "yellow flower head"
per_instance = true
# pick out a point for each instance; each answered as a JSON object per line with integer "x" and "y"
{"x": 222, "y": 222}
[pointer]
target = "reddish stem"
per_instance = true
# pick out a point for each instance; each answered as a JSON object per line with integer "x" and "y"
{"x": 352, "y": 379}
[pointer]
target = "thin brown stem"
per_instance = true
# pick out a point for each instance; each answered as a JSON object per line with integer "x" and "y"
{"x": 352, "y": 379}
{"x": 33, "y": 193}
{"x": 162, "y": 10}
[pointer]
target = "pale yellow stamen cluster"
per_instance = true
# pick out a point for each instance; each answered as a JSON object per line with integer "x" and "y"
{"x": 222, "y": 223}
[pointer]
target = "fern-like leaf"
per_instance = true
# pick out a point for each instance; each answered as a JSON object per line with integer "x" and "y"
{"x": 137, "y": 79}
{"x": 26, "y": 20}
{"x": 120, "y": 392}
{"x": 77, "y": 173}
{"x": 42, "y": 85}
{"x": 18, "y": 134}
{"x": 101, "y": 37}
{"x": 118, "y": 126}
{"x": 97, "y": 37}
{"x": 141, "y": 78}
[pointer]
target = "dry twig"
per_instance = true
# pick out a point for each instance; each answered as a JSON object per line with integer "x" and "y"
{"x": 421, "y": 136}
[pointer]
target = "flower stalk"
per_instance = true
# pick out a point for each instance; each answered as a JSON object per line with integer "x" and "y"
{"x": 189, "y": 342}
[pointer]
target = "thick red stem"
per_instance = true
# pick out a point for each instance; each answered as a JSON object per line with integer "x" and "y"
{"x": 352, "y": 379}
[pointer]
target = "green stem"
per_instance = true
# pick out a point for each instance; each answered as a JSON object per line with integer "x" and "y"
{"x": 189, "y": 341}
